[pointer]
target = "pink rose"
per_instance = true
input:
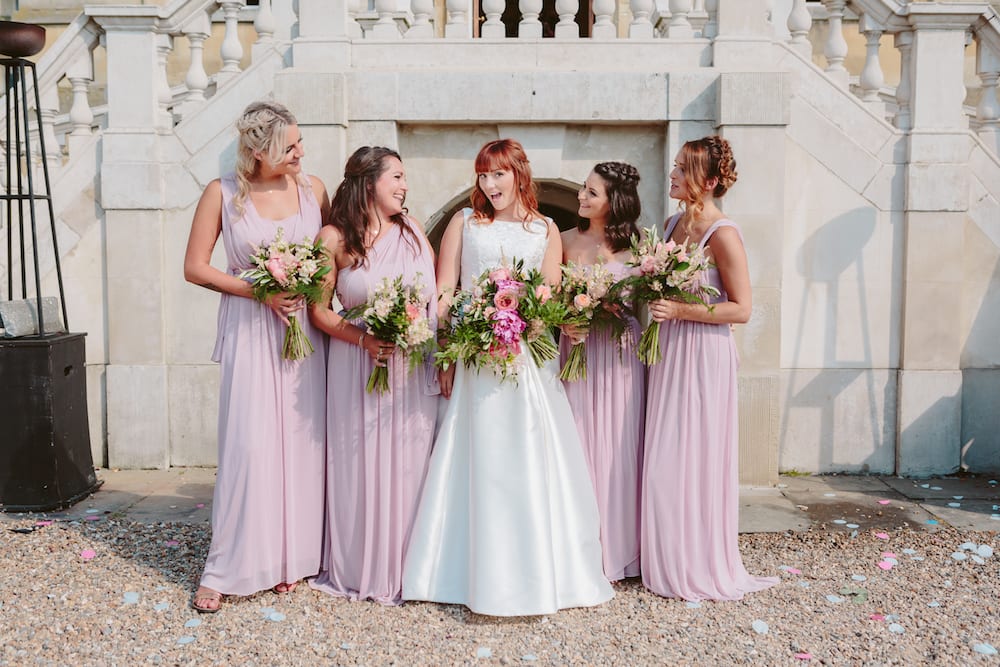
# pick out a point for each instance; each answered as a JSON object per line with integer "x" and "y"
{"x": 505, "y": 299}
{"x": 543, "y": 293}
{"x": 648, "y": 265}
{"x": 669, "y": 245}
{"x": 275, "y": 269}
{"x": 496, "y": 275}
{"x": 412, "y": 312}
{"x": 581, "y": 301}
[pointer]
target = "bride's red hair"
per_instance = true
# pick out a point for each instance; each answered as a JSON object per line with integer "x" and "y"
{"x": 508, "y": 155}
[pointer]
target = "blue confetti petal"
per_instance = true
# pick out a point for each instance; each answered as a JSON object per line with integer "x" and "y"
{"x": 834, "y": 599}
{"x": 859, "y": 577}
{"x": 193, "y": 623}
{"x": 267, "y": 611}
{"x": 760, "y": 627}
{"x": 933, "y": 604}
{"x": 693, "y": 605}
{"x": 484, "y": 652}
{"x": 131, "y": 597}
{"x": 276, "y": 616}
{"x": 897, "y": 628}
{"x": 932, "y": 522}
{"x": 160, "y": 606}
{"x": 187, "y": 639}
{"x": 954, "y": 504}
{"x": 345, "y": 646}
{"x": 909, "y": 552}
{"x": 852, "y": 525}
{"x": 529, "y": 657}
{"x": 839, "y": 522}
{"x": 985, "y": 649}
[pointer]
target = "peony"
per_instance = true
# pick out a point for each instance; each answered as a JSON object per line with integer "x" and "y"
{"x": 543, "y": 293}
{"x": 505, "y": 299}
{"x": 275, "y": 268}
{"x": 581, "y": 301}
{"x": 508, "y": 326}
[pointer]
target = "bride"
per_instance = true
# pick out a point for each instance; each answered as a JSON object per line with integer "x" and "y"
{"x": 507, "y": 523}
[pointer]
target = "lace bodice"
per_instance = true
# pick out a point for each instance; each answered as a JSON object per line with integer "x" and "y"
{"x": 490, "y": 245}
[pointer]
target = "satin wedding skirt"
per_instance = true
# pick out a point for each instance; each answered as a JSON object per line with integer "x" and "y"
{"x": 508, "y": 523}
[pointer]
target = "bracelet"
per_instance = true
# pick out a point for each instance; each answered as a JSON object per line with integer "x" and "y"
{"x": 361, "y": 339}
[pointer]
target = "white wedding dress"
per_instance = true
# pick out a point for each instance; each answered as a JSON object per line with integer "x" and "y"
{"x": 508, "y": 523}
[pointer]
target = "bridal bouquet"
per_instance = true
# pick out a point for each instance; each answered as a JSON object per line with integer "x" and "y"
{"x": 396, "y": 312}
{"x": 582, "y": 291}
{"x": 296, "y": 268}
{"x": 503, "y": 309}
{"x": 664, "y": 270}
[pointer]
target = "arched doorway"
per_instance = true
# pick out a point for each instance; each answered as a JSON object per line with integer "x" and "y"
{"x": 556, "y": 199}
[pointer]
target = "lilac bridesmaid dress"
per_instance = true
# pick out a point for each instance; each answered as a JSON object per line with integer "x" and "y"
{"x": 690, "y": 497}
{"x": 378, "y": 446}
{"x": 267, "y": 511}
{"x": 608, "y": 407}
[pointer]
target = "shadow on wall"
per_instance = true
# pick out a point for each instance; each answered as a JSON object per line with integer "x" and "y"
{"x": 981, "y": 384}
{"x": 844, "y": 414}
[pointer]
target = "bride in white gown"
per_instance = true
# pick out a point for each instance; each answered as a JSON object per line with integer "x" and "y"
{"x": 508, "y": 523}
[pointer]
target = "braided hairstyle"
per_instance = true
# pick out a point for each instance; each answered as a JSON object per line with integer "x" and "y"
{"x": 261, "y": 127}
{"x": 621, "y": 181}
{"x": 355, "y": 197}
{"x": 704, "y": 159}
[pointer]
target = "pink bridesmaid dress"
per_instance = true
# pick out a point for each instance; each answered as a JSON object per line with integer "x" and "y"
{"x": 690, "y": 497}
{"x": 378, "y": 446}
{"x": 608, "y": 407}
{"x": 267, "y": 511}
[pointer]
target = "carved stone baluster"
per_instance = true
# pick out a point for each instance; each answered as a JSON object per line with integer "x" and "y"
{"x": 679, "y": 26}
{"x": 799, "y": 23}
{"x": 80, "y": 74}
{"x": 421, "y": 28}
{"x": 567, "y": 28}
{"x": 871, "y": 79}
{"x": 529, "y": 26}
{"x": 232, "y": 50}
{"x": 711, "y": 29}
{"x": 458, "y": 26}
{"x": 493, "y": 27}
{"x": 988, "y": 109}
{"x": 196, "y": 79}
{"x": 641, "y": 26}
{"x": 835, "y": 48}
{"x": 164, "y": 45}
{"x": 385, "y": 27}
{"x": 604, "y": 26}
{"x": 264, "y": 24}
{"x": 904, "y": 91}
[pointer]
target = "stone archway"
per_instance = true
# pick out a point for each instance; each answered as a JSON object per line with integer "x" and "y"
{"x": 556, "y": 199}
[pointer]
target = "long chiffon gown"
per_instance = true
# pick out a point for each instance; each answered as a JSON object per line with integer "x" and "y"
{"x": 508, "y": 524}
{"x": 609, "y": 406}
{"x": 378, "y": 446}
{"x": 690, "y": 498}
{"x": 267, "y": 510}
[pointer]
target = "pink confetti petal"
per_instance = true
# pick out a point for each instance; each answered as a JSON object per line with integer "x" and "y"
{"x": 882, "y": 536}
{"x": 793, "y": 570}
{"x": 885, "y": 565}
{"x": 888, "y": 554}
{"x": 884, "y": 502}
{"x": 200, "y": 505}
{"x": 877, "y": 617}
{"x": 171, "y": 543}
{"x": 92, "y": 518}
{"x": 47, "y": 522}
{"x": 87, "y": 554}
{"x": 803, "y": 656}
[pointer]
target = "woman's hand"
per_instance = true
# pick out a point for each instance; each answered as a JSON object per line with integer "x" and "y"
{"x": 379, "y": 350}
{"x": 446, "y": 379}
{"x": 664, "y": 309}
{"x": 577, "y": 333}
{"x": 284, "y": 304}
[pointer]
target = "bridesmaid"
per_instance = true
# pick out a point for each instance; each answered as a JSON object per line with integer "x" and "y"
{"x": 690, "y": 497}
{"x": 377, "y": 445}
{"x": 267, "y": 514}
{"x": 609, "y": 404}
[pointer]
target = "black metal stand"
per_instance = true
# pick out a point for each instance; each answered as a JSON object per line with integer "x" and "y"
{"x": 19, "y": 160}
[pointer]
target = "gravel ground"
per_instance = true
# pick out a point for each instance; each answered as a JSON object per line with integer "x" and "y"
{"x": 114, "y": 592}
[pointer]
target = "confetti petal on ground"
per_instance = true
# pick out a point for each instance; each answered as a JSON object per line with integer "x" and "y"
{"x": 93, "y": 518}
{"x": 954, "y": 504}
{"x": 49, "y": 522}
{"x": 187, "y": 639}
{"x": 985, "y": 649}
{"x": 345, "y": 646}
{"x": 804, "y": 584}
{"x": 829, "y": 495}
{"x": 160, "y": 606}
{"x": 882, "y": 536}
{"x": 909, "y": 552}
{"x": 891, "y": 561}
{"x": 958, "y": 497}
{"x": 936, "y": 488}
{"x": 876, "y": 617}
{"x": 897, "y": 628}
{"x": 933, "y": 604}
{"x": 200, "y": 505}
{"x": 529, "y": 657}
{"x": 984, "y": 550}
{"x": 853, "y": 525}
{"x": 276, "y": 616}
{"x": 884, "y": 502}
{"x": 693, "y": 605}
{"x": 267, "y": 611}
{"x": 192, "y": 623}
{"x": 859, "y": 577}
{"x": 925, "y": 486}
{"x": 93, "y": 511}
{"x": 978, "y": 560}
{"x": 803, "y": 656}
{"x": 885, "y": 565}
{"x": 171, "y": 543}
{"x": 760, "y": 627}
{"x": 87, "y": 554}
{"x": 131, "y": 597}
{"x": 839, "y": 522}
{"x": 484, "y": 652}
{"x": 958, "y": 555}
{"x": 834, "y": 599}
{"x": 932, "y": 522}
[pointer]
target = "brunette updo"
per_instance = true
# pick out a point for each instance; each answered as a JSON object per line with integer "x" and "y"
{"x": 621, "y": 181}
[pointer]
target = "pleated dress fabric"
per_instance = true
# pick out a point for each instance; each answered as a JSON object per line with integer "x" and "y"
{"x": 507, "y": 524}
{"x": 378, "y": 445}
{"x": 267, "y": 509}
{"x": 609, "y": 407}
{"x": 690, "y": 499}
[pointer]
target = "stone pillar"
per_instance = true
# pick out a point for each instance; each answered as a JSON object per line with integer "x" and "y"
{"x": 132, "y": 196}
{"x": 928, "y": 438}
{"x": 753, "y": 110}
{"x": 324, "y": 34}
{"x": 319, "y": 102}
{"x": 743, "y": 28}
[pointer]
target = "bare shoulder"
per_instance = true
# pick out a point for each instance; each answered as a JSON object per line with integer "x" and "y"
{"x": 319, "y": 189}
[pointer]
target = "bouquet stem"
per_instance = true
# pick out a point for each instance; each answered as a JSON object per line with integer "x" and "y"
{"x": 575, "y": 367}
{"x": 297, "y": 344}
{"x": 543, "y": 349}
{"x": 378, "y": 381}
{"x": 649, "y": 345}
